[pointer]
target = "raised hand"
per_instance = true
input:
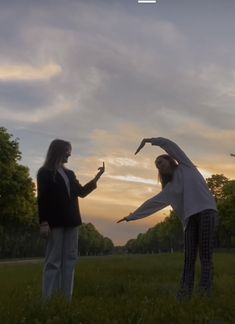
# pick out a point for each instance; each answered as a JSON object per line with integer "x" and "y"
{"x": 142, "y": 144}
{"x": 101, "y": 171}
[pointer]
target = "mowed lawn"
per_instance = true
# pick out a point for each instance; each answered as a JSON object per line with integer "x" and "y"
{"x": 119, "y": 289}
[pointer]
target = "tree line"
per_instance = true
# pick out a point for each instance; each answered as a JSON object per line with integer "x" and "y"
{"x": 19, "y": 228}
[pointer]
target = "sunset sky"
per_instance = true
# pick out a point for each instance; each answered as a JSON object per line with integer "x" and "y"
{"x": 103, "y": 74}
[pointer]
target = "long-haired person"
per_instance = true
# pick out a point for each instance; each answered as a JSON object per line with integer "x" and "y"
{"x": 59, "y": 216}
{"x": 184, "y": 188}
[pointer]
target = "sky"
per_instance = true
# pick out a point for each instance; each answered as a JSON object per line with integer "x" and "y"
{"x": 106, "y": 74}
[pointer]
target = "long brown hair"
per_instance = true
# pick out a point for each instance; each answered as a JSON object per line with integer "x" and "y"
{"x": 56, "y": 151}
{"x": 165, "y": 178}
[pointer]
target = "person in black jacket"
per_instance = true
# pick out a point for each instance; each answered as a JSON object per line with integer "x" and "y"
{"x": 59, "y": 217}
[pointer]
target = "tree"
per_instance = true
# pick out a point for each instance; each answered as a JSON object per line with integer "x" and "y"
{"x": 226, "y": 207}
{"x": 91, "y": 242}
{"x": 224, "y": 192}
{"x": 17, "y": 190}
{"x": 216, "y": 184}
{"x": 17, "y": 196}
{"x": 107, "y": 245}
{"x": 174, "y": 231}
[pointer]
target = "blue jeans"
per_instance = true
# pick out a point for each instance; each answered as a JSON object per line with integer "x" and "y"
{"x": 60, "y": 261}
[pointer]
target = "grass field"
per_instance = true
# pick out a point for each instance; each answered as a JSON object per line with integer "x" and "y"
{"x": 120, "y": 290}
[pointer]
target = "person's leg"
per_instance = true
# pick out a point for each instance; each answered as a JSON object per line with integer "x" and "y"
{"x": 207, "y": 221}
{"x": 52, "y": 263}
{"x": 190, "y": 255}
{"x": 70, "y": 255}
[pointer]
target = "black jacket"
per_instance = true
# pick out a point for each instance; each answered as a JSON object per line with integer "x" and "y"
{"x": 55, "y": 205}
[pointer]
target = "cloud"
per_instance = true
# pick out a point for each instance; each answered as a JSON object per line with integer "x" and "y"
{"x": 28, "y": 73}
{"x": 122, "y": 161}
{"x": 60, "y": 107}
{"x": 131, "y": 178}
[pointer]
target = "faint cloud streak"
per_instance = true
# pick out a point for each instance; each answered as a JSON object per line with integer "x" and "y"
{"x": 10, "y": 73}
{"x": 131, "y": 178}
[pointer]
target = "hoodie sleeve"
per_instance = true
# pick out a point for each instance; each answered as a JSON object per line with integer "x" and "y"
{"x": 173, "y": 150}
{"x": 151, "y": 205}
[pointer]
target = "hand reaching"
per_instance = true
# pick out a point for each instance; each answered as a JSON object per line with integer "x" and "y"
{"x": 142, "y": 144}
{"x": 122, "y": 220}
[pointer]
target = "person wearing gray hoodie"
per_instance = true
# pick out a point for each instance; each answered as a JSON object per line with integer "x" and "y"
{"x": 186, "y": 191}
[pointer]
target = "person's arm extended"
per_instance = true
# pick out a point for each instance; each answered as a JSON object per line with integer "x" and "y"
{"x": 83, "y": 191}
{"x": 149, "y": 207}
{"x": 169, "y": 146}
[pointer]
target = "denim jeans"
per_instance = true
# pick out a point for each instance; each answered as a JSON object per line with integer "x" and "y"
{"x": 60, "y": 261}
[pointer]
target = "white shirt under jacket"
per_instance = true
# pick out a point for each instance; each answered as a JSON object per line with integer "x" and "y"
{"x": 187, "y": 193}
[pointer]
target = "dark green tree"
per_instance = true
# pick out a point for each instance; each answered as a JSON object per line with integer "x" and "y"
{"x": 91, "y": 242}
{"x": 18, "y": 217}
{"x": 17, "y": 190}
{"x": 226, "y": 207}
{"x": 216, "y": 184}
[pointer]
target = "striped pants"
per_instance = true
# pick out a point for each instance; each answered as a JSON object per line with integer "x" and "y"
{"x": 198, "y": 236}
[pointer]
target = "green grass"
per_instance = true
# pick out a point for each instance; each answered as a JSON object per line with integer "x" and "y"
{"x": 118, "y": 290}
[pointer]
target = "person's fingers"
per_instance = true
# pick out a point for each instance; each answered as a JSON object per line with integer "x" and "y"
{"x": 121, "y": 220}
{"x": 45, "y": 233}
{"x": 140, "y": 146}
{"x": 102, "y": 168}
{"x": 138, "y": 149}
